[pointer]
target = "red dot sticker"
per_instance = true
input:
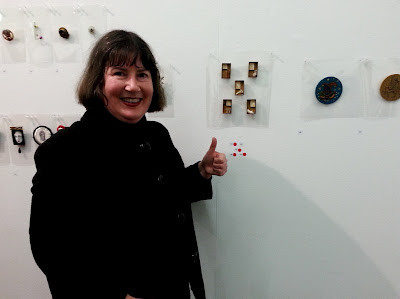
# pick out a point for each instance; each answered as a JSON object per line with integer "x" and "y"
{"x": 234, "y": 154}
{"x": 244, "y": 154}
{"x": 234, "y": 144}
{"x": 239, "y": 150}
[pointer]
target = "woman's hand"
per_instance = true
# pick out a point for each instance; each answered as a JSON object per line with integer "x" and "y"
{"x": 130, "y": 297}
{"x": 213, "y": 163}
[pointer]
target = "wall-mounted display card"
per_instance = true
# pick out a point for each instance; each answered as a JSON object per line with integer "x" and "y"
{"x": 21, "y": 153}
{"x": 239, "y": 88}
{"x": 381, "y": 87}
{"x": 38, "y": 36}
{"x": 342, "y": 92}
{"x": 92, "y": 23}
{"x": 65, "y": 34}
{"x": 12, "y": 44}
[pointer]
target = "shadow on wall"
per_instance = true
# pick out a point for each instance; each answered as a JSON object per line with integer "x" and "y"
{"x": 274, "y": 243}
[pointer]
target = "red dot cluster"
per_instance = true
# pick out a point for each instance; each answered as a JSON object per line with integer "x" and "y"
{"x": 239, "y": 150}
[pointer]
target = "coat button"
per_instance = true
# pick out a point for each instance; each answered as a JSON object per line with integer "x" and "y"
{"x": 161, "y": 179}
{"x": 181, "y": 218}
{"x": 195, "y": 257}
{"x": 145, "y": 146}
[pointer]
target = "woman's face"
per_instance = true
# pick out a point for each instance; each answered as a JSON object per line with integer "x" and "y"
{"x": 18, "y": 136}
{"x": 129, "y": 91}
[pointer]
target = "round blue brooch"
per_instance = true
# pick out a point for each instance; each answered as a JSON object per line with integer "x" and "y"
{"x": 328, "y": 90}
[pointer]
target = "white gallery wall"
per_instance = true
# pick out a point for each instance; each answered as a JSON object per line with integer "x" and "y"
{"x": 311, "y": 210}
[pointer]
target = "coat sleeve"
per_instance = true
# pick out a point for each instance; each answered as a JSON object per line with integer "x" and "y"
{"x": 54, "y": 226}
{"x": 44, "y": 237}
{"x": 188, "y": 178}
{"x": 66, "y": 239}
{"x": 56, "y": 236}
{"x": 200, "y": 188}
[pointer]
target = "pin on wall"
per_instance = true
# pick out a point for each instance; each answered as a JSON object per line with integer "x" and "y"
{"x": 60, "y": 121}
{"x": 79, "y": 10}
{"x": 63, "y": 32}
{"x": 227, "y": 106}
{"x": 238, "y": 150}
{"x": 239, "y": 88}
{"x": 253, "y": 69}
{"x": 17, "y": 135}
{"x": 26, "y": 11}
{"x": 390, "y": 88}
{"x": 251, "y": 106}
{"x": 226, "y": 71}
{"x": 328, "y": 90}
{"x": 36, "y": 31}
{"x": 52, "y": 9}
{"x": 8, "y": 35}
{"x": 108, "y": 10}
{"x": 41, "y": 134}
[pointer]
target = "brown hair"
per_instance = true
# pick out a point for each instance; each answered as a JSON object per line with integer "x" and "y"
{"x": 117, "y": 48}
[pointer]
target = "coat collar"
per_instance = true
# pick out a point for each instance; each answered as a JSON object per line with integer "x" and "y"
{"x": 102, "y": 118}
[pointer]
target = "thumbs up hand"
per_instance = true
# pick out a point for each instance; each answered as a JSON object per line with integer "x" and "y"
{"x": 213, "y": 163}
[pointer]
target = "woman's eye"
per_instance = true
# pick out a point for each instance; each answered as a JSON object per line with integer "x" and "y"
{"x": 143, "y": 75}
{"x": 118, "y": 74}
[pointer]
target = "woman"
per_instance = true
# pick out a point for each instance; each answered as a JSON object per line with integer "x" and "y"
{"x": 111, "y": 215}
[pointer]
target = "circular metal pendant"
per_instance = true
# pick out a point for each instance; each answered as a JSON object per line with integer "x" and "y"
{"x": 390, "y": 88}
{"x": 41, "y": 134}
{"x": 63, "y": 33}
{"x": 8, "y": 35}
{"x": 328, "y": 90}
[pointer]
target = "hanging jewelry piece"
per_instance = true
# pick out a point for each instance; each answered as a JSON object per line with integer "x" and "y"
{"x": 36, "y": 31}
{"x": 41, "y": 134}
{"x": 328, "y": 90}
{"x": 63, "y": 33}
{"x": 8, "y": 35}
{"x": 390, "y": 88}
{"x": 18, "y": 137}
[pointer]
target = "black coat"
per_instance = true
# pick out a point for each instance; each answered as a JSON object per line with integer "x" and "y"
{"x": 111, "y": 212}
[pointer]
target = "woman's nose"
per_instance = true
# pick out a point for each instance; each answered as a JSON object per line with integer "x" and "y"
{"x": 132, "y": 84}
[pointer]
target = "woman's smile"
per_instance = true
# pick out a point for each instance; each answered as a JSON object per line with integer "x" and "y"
{"x": 131, "y": 100}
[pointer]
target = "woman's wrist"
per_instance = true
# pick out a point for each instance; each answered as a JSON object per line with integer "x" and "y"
{"x": 203, "y": 171}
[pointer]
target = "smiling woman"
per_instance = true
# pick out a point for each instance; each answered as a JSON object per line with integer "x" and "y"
{"x": 120, "y": 225}
{"x": 129, "y": 91}
{"x": 122, "y": 49}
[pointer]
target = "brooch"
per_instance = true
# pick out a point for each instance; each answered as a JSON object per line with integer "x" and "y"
{"x": 41, "y": 134}
{"x": 390, "y": 88}
{"x": 328, "y": 90}
{"x": 8, "y": 35}
{"x": 17, "y": 137}
{"x": 63, "y": 33}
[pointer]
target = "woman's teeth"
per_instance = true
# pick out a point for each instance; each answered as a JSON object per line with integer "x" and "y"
{"x": 131, "y": 101}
